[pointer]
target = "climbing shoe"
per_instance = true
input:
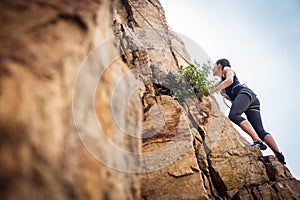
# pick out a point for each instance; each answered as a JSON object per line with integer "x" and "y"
{"x": 280, "y": 158}
{"x": 261, "y": 145}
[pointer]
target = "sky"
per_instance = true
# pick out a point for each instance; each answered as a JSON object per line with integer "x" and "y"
{"x": 261, "y": 39}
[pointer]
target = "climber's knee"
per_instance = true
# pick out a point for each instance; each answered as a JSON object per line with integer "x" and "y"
{"x": 262, "y": 135}
{"x": 235, "y": 117}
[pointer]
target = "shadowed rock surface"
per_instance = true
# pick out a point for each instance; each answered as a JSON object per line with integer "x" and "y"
{"x": 49, "y": 147}
{"x": 43, "y": 45}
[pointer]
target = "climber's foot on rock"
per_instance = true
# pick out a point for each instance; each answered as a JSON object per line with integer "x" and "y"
{"x": 261, "y": 145}
{"x": 280, "y": 157}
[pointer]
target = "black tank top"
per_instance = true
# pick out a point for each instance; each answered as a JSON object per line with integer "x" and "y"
{"x": 233, "y": 89}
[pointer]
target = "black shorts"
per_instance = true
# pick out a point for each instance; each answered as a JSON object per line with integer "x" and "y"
{"x": 247, "y": 102}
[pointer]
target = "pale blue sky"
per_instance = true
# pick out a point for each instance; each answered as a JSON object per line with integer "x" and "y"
{"x": 261, "y": 38}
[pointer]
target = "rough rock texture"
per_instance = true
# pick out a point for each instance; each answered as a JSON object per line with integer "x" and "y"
{"x": 190, "y": 151}
{"x": 240, "y": 171}
{"x": 43, "y": 44}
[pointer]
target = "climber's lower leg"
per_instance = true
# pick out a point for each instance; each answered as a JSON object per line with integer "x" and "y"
{"x": 247, "y": 127}
{"x": 269, "y": 140}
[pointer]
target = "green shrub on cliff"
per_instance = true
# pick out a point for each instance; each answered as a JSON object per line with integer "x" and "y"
{"x": 197, "y": 76}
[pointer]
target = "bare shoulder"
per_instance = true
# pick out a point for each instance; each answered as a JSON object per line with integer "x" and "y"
{"x": 227, "y": 71}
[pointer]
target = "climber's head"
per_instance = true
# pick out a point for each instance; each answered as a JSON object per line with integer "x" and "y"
{"x": 219, "y": 66}
{"x": 224, "y": 62}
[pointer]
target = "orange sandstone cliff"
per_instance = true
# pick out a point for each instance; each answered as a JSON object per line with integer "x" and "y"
{"x": 88, "y": 112}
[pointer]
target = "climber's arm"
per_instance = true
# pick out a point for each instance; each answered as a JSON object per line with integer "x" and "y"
{"x": 229, "y": 74}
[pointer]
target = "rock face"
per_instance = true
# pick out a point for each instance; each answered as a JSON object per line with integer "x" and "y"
{"x": 43, "y": 45}
{"x": 85, "y": 115}
{"x": 188, "y": 153}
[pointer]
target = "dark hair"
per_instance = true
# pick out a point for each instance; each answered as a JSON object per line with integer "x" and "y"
{"x": 224, "y": 62}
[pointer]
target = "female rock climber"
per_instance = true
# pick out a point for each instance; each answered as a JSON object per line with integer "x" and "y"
{"x": 245, "y": 101}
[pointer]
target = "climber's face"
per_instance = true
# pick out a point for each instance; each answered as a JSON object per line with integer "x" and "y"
{"x": 217, "y": 70}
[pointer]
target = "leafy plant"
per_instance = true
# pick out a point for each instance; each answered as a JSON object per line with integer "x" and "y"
{"x": 197, "y": 77}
